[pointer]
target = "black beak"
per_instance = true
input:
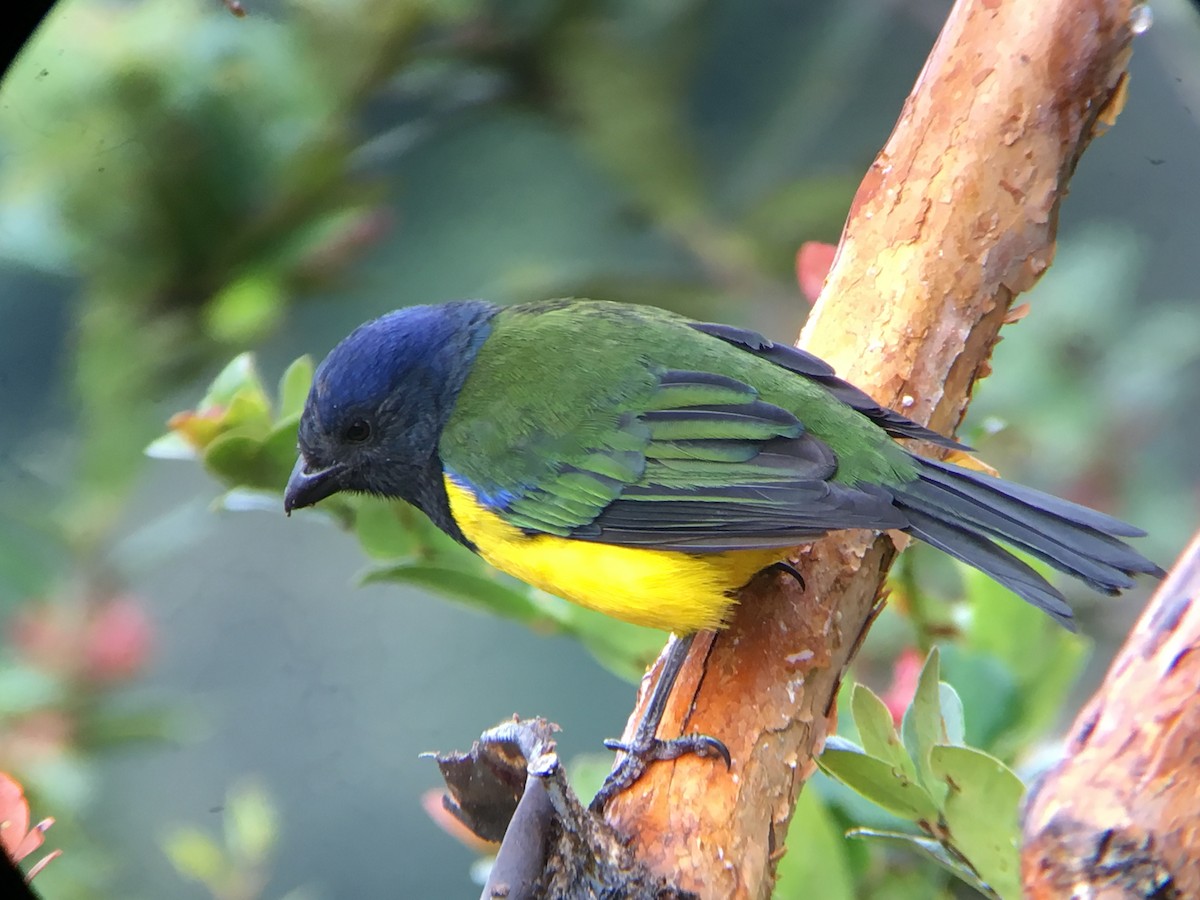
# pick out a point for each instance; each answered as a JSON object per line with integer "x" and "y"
{"x": 306, "y": 488}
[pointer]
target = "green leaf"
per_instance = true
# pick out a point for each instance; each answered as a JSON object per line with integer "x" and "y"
{"x": 236, "y": 459}
{"x": 587, "y": 772}
{"x": 118, "y": 728}
{"x": 806, "y": 208}
{"x": 927, "y": 847}
{"x": 917, "y": 883}
{"x": 242, "y": 458}
{"x": 385, "y": 527}
{"x": 852, "y": 807}
{"x": 245, "y": 309}
{"x": 1042, "y": 659}
{"x": 238, "y": 375}
{"x": 816, "y": 855}
{"x": 294, "y": 386}
{"x": 62, "y": 781}
{"x": 251, "y": 824}
{"x": 877, "y": 731}
{"x": 627, "y": 106}
{"x": 880, "y": 782}
{"x": 987, "y": 688}
{"x": 922, "y": 726}
{"x": 476, "y": 591}
{"x": 952, "y": 713}
{"x": 249, "y": 412}
{"x": 235, "y": 404}
{"x": 279, "y": 450}
{"x": 1042, "y": 698}
{"x": 195, "y": 855}
{"x": 837, "y": 742}
{"x": 171, "y": 445}
{"x": 25, "y": 689}
{"x": 980, "y": 813}
{"x": 624, "y": 649}
{"x": 32, "y": 556}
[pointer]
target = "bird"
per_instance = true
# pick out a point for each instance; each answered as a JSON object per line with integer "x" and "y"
{"x": 648, "y": 466}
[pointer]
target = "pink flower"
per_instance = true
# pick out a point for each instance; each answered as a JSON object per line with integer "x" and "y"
{"x": 906, "y": 670}
{"x": 101, "y": 641}
{"x": 45, "y": 634}
{"x": 431, "y": 801}
{"x": 813, "y": 262}
{"x": 36, "y": 736}
{"x": 117, "y": 640}
{"x": 17, "y": 838}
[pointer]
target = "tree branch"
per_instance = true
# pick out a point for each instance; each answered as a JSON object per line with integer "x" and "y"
{"x": 1117, "y": 817}
{"x": 955, "y": 217}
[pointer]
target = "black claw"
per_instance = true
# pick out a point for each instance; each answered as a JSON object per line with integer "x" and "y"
{"x": 715, "y": 748}
{"x": 788, "y": 569}
{"x": 639, "y": 755}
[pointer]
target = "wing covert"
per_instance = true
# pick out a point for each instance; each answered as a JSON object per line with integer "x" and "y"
{"x": 796, "y": 360}
{"x": 704, "y": 465}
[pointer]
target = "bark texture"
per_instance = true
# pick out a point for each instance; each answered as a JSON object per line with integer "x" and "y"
{"x": 1117, "y": 818}
{"x": 956, "y": 216}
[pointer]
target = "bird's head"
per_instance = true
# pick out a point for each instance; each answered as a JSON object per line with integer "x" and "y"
{"x": 379, "y": 401}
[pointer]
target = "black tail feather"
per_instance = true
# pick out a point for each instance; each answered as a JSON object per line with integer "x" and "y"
{"x": 1027, "y": 496}
{"x": 960, "y": 511}
{"x": 976, "y": 550}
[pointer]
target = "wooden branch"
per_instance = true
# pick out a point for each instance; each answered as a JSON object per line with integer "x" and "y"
{"x": 956, "y": 216}
{"x": 1117, "y": 818}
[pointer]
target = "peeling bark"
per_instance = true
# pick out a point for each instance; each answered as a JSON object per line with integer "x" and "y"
{"x": 956, "y": 216}
{"x": 510, "y": 784}
{"x": 1117, "y": 817}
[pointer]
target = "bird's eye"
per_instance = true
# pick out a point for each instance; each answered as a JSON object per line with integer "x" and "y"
{"x": 358, "y": 431}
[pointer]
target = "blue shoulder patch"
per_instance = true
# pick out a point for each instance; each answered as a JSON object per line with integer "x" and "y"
{"x": 496, "y": 498}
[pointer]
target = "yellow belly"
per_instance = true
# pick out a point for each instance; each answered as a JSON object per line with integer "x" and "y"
{"x": 679, "y": 592}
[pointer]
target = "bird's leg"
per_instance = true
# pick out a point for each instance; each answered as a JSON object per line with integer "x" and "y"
{"x": 645, "y": 747}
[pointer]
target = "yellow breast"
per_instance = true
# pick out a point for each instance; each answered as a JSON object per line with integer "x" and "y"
{"x": 679, "y": 592}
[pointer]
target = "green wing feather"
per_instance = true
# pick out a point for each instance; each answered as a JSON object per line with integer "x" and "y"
{"x": 633, "y": 446}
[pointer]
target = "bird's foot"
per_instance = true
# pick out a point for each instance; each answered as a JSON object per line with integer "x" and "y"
{"x": 643, "y": 750}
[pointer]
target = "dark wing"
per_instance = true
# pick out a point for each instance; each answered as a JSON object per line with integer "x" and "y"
{"x": 818, "y": 370}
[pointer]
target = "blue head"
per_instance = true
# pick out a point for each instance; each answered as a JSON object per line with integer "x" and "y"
{"x": 378, "y": 404}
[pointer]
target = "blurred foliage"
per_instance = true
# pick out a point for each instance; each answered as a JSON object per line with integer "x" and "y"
{"x": 61, "y": 704}
{"x": 193, "y": 172}
{"x": 183, "y": 177}
{"x": 230, "y": 152}
{"x": 235, "y": 867}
